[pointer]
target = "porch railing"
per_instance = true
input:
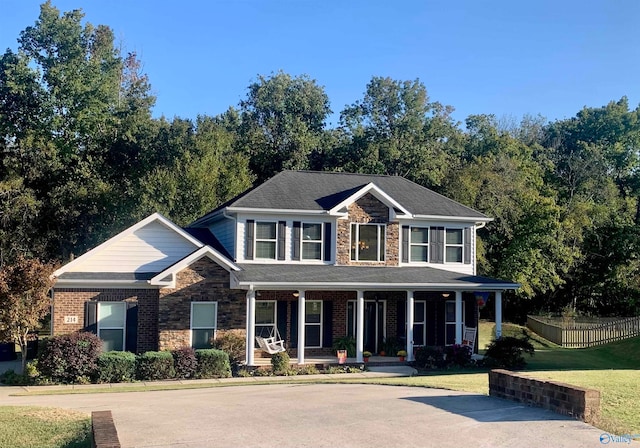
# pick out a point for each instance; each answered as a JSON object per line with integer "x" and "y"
{"x": 584, "y": 334}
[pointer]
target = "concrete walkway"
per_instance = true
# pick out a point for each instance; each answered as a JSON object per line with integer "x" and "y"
{"x": 320, "y": 415}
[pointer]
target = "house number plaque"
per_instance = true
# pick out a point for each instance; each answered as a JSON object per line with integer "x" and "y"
{"x": 70, "y": 319}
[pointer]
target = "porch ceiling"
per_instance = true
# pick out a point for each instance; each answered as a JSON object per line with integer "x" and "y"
{"x": 329, "y": 277}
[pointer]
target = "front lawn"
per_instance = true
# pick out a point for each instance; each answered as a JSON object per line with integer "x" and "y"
{"x": 39, "y": 427}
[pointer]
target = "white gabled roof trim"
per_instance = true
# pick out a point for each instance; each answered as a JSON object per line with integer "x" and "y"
{"x": 378, "y": 193}
{"x": 454, "y": 218}
{"x": 205, "y": 251}
{"x": 371, "y": 286}
{"x": 140, "y": 224}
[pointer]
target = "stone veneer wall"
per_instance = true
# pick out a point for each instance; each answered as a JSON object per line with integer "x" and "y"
{"x": 368, "y": 209}
{"x": 71, "y": 302}
{"x": 203, "y": 281}
{"x": 562, "y": 398}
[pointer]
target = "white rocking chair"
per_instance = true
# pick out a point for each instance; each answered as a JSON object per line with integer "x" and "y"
{"x": 469, "y": 337}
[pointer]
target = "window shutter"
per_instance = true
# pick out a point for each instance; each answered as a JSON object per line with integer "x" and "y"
{"x": 467, "y": 245}
{"x": 436, "y": 245}
{"x": 248, "y": 241}
{"x": 328, "y": 241}
{"x": 327, "y": 323}
{"x": 281, "y": 319}
{"x": 131, "y": 329}
{"x": 294, "y": 324}
{"x": 296, "y": 240}
{"x": 405, "y": 244}
{"x": 282, "y": 226}
{"x": 91, "y": 317}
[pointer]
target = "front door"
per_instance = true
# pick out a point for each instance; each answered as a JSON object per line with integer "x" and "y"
{"x": 374, "y": 319}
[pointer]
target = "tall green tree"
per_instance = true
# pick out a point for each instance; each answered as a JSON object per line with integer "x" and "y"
{"x": 396, "y": 130}
{"x": 283, "y": 119}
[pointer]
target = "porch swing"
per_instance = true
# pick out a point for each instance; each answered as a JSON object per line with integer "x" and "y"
{"x": 273, "y": 344}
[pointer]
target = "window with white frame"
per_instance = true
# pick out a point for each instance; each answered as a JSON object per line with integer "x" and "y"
{"x": 450, "y": 321}
{"x": 311, "y": 241}
{"x": 265, "y": 318}
{"x": 419, "y": 322}
{"x": 203, "y": 323}
{"x": 419, "y": 244}
{"x": 313, "y": 323}
{"x": 367, "y": 242}
{"x": 453, "y": 246}
{"x": 266, "y": 239}
{"x": 111, "y": 325}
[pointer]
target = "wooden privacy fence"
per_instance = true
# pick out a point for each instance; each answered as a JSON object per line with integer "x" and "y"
{"x": 584, "y": 334}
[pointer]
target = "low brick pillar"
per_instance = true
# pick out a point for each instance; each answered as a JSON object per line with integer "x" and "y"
{"x": 562, "y": 398}
{"x": 103, "y": 430}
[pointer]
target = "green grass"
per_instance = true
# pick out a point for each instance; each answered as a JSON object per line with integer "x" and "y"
{"x": 38, "y": 427}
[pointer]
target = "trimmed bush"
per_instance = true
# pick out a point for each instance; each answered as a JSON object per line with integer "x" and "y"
{"x": 507, "y": 352}
{"x": 154, "y": 366}
{"x": 70, "y": 358}
{"x": 280, "y": 363}
{"x": 429, "y": 357}
{"x": 457, "y": 355}
{"x": 184, "y": 362}
{"x": 212, "y": 363}
{"x": 233, "y": 342}
{"x": 116, "y": 367}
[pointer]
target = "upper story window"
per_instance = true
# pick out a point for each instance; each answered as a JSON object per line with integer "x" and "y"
{"x": 367, "y": 242}
{"x": 453, "y": 246}
{"x": 266, "y": 239}
{"x": 419, "y": 243}
{"x": 311, "y": 241}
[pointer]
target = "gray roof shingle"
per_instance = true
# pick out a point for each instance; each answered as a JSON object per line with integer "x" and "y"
{"x": 321, "y": 190}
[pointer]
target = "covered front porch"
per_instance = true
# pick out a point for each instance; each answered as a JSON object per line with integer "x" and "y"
{"x": 309, "y": 307}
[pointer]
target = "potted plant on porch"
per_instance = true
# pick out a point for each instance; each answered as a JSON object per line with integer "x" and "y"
{"x": 366, "y": 355}
{"x": 402, "y": 354}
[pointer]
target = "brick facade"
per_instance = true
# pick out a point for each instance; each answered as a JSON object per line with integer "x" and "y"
{"x": 204, "y": 281}
{"x": 71, "y": 303}
{"x": 368, "y": 209}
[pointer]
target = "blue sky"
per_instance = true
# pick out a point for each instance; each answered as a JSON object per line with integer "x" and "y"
{"x": 508, "y": 58}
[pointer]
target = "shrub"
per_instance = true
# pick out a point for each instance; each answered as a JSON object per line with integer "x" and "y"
{"x": 280, "y": 363}
{"x": 457, "y": 355}
{"x": 233, "y": 342}
{"x": 11, "y": 378}
{"x": 116, "y": 367}
{"x": 429, "y": 357}
{"x": 154, "y": 366}
{"x": 508, "y": 352}
{"x": 184, "y": 362}
{"x": 212, "y": 363}
{"x": 347, "y": 343}
{"x": 70, "y": 358}
{"x": 307, "y": 369}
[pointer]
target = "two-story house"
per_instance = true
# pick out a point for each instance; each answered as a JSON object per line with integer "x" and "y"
{"x": 306, "y": 257}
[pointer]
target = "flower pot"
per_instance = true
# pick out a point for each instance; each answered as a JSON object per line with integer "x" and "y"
{"x": 366, "y": 359}
{"x": 382, "y": 353}
{"x": 401, "y": 358}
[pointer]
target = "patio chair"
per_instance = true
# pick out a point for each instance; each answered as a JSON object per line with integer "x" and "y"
{"x": 270, "y": 345}
{"x": 469, "y": 337}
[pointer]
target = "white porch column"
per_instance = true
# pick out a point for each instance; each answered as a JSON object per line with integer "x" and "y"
{"x": 251, "y": 326}
{"x": 498, "y": 314}
{"x": 301, "y": 326}
{"x": 360, "y": 327}
{"x": 458, "y": 317}
{"x": 410, "y": 320}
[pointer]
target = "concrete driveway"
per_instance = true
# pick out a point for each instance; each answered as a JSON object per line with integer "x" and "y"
{"x": 324, "y": 415}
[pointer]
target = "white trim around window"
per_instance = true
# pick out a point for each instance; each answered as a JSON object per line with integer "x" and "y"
{"x": 203, "y": 323}
{"x": 265, "y": 318}
{"x": 450, "y": 321}
{"x": 313, "y": 323}
{"x": 311, "y": 241}
{"x": 112, "y": 319}
{"x": 419, "y": 323}
{"x": 454, "y": 245}
{"x": 419, "y": 244}
{"x": 265, "y": 244}
{"x": 367, "y": 241}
